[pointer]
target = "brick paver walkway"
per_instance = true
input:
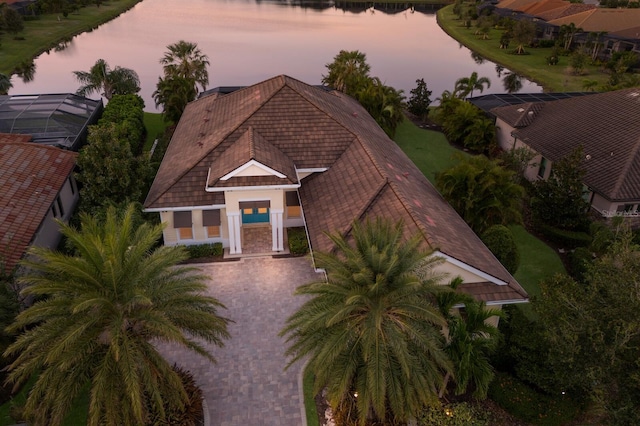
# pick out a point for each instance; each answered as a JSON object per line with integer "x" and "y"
{"x": 248, "y": 386}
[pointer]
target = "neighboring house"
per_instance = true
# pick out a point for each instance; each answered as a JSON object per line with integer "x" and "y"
{"x": 282, "y": 154}
{"x": 37, "y": 187}
{"x": 606, "y": 126}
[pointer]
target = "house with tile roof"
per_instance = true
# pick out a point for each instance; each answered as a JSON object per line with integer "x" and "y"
{"x": 37, "y": 188}
{"x": 282, "y": 154}
{"x": 606, "y": 126}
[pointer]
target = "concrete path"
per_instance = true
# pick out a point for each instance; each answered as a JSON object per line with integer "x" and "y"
{"x": 248, "y": 386}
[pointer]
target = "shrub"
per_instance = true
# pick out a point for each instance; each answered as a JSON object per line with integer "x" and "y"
{"x": 546, "y": 43}
{"x": 127, "y": 112}
{"x": 460, "y": 414}
{"x": 567, "y": 239}
{"x": 500, "y": 241}
{"x": 298, "y": 244}
{"x": 529, "y": 405}
{"x": 205, "y": 250}
{"x": 579, "y": 259}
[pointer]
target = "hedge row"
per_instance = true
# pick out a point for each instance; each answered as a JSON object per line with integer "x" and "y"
{"x": 127, "y": 111}
{"x": 567, "y": 239}
{"x": 205, "y": 250}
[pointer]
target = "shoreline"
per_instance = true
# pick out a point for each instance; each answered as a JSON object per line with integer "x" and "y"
{"x": 52, "y": 30}
{"x": 532, "y": 66}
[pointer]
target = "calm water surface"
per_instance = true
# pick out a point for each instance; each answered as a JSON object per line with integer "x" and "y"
{"x": 250, "y": 40}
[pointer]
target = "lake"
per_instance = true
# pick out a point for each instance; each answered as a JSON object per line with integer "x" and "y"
{"x": 248, "y": 41}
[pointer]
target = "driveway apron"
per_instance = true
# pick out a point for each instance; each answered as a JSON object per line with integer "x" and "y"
{"x": 248, "y": 386}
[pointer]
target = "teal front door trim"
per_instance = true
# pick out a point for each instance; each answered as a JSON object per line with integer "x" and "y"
{"x": 254, "y": 216}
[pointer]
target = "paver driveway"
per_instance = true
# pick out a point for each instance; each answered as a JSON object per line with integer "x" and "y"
{"x": 248, "y": 386}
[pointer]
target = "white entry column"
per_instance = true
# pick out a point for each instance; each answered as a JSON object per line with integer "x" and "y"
{"x": 235, "y": 242}
{"x": 277, "y": 234}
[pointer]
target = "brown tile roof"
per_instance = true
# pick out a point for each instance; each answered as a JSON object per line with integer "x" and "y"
{"x": 305, "y": 131}
{"x": 368, "y": 174}
{"x": 522, "y": 115}
{"x": 566, "y": 10}
{"x": 252, "y": 146}
{"x": 633, "y": 32}
{"x": 599, "y": 19}
{"x": 606, "y": 125}
{"x": 543, "y": 6}
{"x": 515, "y": 4}
{"x": 31, "y": 175}
{"x": 489, "y": 292}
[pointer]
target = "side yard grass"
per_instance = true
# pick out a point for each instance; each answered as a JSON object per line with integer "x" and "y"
{"x": 428, "y": 149}
{"x": 50, "y": 30}
{"x": 553, "y": 78}
{"x": 155, "y": 126}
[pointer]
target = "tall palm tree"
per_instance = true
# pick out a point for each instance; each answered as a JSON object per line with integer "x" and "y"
{"x": 98, "y": 315}
{"x": 348, "y": 72}
{"x": 467, "y": 85}
{"x": 185, "y": 60}
{"x": 372, "y": 332}
{"x": 512, "y": 82}
{"x": 5, "y": 84}
{"x": 106, "y": 81}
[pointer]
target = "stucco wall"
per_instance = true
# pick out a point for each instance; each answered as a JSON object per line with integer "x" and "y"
{"x": 48, "y": 234}
{"x": 503, "y": 134}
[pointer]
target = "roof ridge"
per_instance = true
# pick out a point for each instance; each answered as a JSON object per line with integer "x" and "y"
{"x": 366, "y": 206}
{"x": 224, "y": 137}
{"x": 40, "y": 146}
{"x": 625, "y": 169}
{"x": 312, "y": 102}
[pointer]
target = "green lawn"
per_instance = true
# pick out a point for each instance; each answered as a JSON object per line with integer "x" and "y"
{"x": 428, "y": 149}
{"x": 48, "y": 31}
{"x": 309, "y": 400}
{"x": 533, "y": 66}
{"x": 155, "y": 126}
{"x": 537, "y": 260}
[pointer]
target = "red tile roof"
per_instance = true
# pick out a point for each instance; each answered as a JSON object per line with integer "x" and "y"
{"x": 31, "y": 176}
{"x": 606, "y": 125}
{"x": 368, "y": 174}
{"x": 599, "y": 19}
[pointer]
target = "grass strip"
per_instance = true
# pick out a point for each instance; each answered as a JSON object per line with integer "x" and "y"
{"x": 50, "y": 30}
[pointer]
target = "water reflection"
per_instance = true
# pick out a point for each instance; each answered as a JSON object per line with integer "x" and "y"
{"x": 512, "y": 82}
{"x": 477, "y": 58}
{"x": 26, "y": 71}
{"x": 248, "y": 41}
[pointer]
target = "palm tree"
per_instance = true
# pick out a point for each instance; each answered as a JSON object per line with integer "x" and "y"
{"x": 185, "y": 60}
{"x": 467, "y": 85}
{"x": 482, "y": 192}
{"x": 481, "y": 135}
{"x": 512, "y": 82}
{"x": 97, "y": 317}
{"x": 102, "y": 79}
{"x": 470, "y": 341}
{"x": 174, "y": 94}
{"x": 348, "y": 72}
{"x": 372, "y": 333}
{"x": 5, "y": 84}
{"x": 384, "y": 103}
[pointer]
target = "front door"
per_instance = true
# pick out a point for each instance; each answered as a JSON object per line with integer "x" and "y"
{"x": 255, "y": 212}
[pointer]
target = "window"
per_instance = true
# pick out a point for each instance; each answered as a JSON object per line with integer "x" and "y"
{"x": 211, "y": 222}
{"x": 184, "y": 225}
{"x": 627, "y": 208}
{"x": 543, "y": 168}
{"x": 72, "y": 184}
{"x": 293, "y": 204}
{"x": 56, "y": 208}
{"x": 60, "y": 208}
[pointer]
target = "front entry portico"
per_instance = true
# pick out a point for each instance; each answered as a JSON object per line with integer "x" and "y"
{"x": 251, "y": 212}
